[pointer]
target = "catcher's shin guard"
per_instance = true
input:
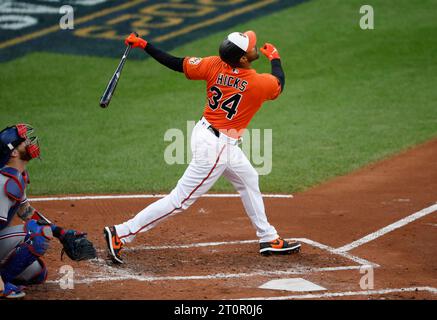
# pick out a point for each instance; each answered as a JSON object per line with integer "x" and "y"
{"x": 36, "y": 273}
{"x": 17, "y": 261}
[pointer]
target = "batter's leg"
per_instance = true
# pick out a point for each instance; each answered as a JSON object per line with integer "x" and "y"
{"x": 197, "y": 179}
{"x": 244, "y": 178}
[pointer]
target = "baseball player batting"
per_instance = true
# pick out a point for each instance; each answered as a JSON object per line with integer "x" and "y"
{"x": 23, "y": 246}
{"x": 235, "y": 92}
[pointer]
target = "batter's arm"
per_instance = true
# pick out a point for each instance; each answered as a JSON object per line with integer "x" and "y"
{"x": 278, "y": 72}
{"x": 272, "y": 54}
{"x": 159, "y": 55}
{"x": 164, "y": 58}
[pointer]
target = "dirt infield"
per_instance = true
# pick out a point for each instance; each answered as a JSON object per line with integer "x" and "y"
{"x": 210, "y": 251}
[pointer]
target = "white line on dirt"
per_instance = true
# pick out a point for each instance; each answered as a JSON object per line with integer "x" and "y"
{"x": 313, "y": 243}
{"x": 147, "y": 196}
{"x": 387, "y": 229}
{"x": 347, "y": 255}
{"x": 127, "y": 274}
{"x": 109, "y": 273}
{"x": 347, "y": 294}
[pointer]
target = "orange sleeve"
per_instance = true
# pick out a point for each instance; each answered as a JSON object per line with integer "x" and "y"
{"x": 270, "y": 86}
{"x": 198, "y": 68}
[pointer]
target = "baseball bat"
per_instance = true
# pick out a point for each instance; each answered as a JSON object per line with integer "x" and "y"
{"x": 110, "y": 88}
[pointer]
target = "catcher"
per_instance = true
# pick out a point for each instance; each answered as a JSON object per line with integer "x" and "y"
{"x": 22, "y": 246}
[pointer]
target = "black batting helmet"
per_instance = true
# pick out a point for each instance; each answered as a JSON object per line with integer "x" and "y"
{"x": 235, "y": 46}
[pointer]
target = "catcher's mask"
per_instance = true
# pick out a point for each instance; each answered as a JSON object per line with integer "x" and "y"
{"x": 12, "y": 137}
{"x": 235, "y": 46}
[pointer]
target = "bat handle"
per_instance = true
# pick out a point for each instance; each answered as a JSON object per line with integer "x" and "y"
{"x": 130, "y": 46}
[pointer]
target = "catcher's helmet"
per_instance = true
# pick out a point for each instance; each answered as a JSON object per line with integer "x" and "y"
{"x": 235, "y": 46}
{"x": 11, "y": 137}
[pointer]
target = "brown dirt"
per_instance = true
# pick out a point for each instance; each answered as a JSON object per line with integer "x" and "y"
{"x": 334, "y": 213}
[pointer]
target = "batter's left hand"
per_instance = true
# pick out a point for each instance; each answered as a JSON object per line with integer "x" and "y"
{"x": 135, "y": 41}
{"x": 270, "y": 51}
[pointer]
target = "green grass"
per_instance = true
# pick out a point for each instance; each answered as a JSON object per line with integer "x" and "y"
{"x": 352, "y": 97}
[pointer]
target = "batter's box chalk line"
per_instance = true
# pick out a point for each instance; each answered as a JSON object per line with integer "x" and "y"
{"x": 108, "y": 273}
{"x": 146, "y": 196}
{"x": 347, "y": 294}
{"x": 383, "y": 231}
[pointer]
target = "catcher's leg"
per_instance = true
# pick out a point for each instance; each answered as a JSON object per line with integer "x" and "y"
{"x": 22, "y": 247}
{"x": 10, "y": 238}
{"x": 36, "y": 273}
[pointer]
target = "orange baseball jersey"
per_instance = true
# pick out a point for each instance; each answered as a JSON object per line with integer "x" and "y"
{"x": 234, "y": 95}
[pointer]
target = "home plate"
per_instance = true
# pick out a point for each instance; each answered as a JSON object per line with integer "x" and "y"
{"x": 293, "y": 284}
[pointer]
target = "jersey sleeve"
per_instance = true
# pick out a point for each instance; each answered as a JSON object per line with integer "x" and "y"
{"x": 5, "y": 205}
{"x": 199, "y": 68}
{"x": 269, "y": 86}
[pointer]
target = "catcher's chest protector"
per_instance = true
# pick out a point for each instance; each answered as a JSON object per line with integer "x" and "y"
{"x": 13, "y": 185}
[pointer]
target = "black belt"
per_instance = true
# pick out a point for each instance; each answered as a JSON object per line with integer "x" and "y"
{"x": 214, "y": 130}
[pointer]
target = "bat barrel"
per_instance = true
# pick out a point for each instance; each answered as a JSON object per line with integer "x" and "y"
{"x": 110, "y": 88}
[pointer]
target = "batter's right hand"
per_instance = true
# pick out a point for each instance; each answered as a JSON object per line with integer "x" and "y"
{"x": 135, "y": 42}
{"x": 270, "y": 51}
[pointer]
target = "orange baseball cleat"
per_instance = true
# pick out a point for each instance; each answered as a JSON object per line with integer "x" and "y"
{"x": 114, "y": 244}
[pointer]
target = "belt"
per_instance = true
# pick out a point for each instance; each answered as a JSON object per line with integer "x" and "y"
{"x": 217, "y": 133}
{"x": 210, "y": 127}
{"x": 214, "y": 131}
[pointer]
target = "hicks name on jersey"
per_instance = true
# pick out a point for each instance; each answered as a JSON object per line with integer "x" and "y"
{"x": 229, "y": 81}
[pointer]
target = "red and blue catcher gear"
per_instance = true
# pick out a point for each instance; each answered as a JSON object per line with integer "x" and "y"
{"x": 16, "y": 184}
{"x": 37, "y": 278}
{"x": 38, "y": 236}
{"x": 11, "y": 137}
{"x": 11, "y": 291}
{"x": 34, "y": 246}
{"x": 14, "y": 189}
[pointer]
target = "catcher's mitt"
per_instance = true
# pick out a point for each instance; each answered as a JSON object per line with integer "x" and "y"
{"x": 77, "y": 246}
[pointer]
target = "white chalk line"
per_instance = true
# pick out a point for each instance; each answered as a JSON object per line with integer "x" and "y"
{"x": 110, "y": 273}
{"x": 396, "y": 225}
{"x": 147, "y": 196}
{"x": 310, "y": 242}
{"x": 347, "y": 294}
{"x": 347, "y": 255}
{"x": 128, "y": 274}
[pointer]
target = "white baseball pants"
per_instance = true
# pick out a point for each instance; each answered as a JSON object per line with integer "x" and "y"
{"x": 212, "y": 157}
